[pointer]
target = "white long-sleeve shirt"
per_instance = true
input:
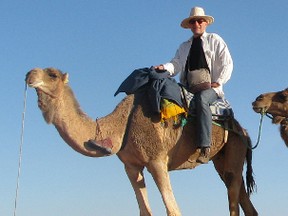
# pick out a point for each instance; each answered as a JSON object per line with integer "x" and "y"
{"x": 217, "y": 56}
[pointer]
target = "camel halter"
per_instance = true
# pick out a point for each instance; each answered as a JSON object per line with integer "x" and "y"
{"x": 284, "y": 122}
{"x": 20, "y": 151}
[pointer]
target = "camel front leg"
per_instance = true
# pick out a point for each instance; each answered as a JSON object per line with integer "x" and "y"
{"x": 159, "y": 171}
{"x": 137, "y": 180}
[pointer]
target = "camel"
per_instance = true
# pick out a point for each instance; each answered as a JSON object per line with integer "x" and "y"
{"x": 275, "y": 104}
{"x": 141, "y": 141}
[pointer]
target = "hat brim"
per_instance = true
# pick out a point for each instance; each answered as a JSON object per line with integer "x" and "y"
{"x": 186, "y": 22}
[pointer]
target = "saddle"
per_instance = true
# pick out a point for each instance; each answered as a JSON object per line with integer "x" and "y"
{"x": 221, "y": 108}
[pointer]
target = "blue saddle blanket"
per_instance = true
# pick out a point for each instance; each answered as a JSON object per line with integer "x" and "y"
{"x": 221, "y": 108}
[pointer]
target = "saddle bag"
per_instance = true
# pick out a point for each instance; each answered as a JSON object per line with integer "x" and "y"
{"x": 198, "y": 80}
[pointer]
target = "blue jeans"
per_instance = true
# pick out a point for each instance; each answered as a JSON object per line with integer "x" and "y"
{"x": 203, "y": 99}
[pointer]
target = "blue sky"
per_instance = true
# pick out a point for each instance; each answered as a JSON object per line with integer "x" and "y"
{"x": 99, "y": 43}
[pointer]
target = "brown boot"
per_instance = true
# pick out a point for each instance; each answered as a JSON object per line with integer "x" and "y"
{"x": 105, "y": 146}
{"x": 204, "y": 155}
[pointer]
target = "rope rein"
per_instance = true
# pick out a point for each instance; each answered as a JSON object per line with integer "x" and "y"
{"x": 20, "y": 152}
{"x": 259, "y": 130}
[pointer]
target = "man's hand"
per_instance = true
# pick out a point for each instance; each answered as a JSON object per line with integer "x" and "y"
{"x": 215, "y": 84}
{"x": 159, "y": 67}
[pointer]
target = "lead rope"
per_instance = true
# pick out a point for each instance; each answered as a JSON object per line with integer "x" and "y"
{"x": 259, "y": 129}
{"x": 20, "y": 152}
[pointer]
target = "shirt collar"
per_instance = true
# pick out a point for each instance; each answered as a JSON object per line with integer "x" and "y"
{"x": 204, "y": 35}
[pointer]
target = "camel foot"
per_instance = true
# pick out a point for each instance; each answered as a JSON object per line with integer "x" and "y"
{"x": 105, "y": 146}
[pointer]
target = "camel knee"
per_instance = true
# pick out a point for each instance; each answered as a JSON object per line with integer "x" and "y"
{"x": 135, "y": 174}
{"x": 234, "y": 209}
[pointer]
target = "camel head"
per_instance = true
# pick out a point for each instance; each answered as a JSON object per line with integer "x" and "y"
{"x": 49, "y": 80}
{"x": 50, "y": 84}
{"x": 274, "y": 103}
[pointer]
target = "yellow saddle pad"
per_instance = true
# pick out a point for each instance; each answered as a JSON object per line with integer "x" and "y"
{"x": 170, "y": 109}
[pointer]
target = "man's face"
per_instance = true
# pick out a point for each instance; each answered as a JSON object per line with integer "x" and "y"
{"x": 198, "y": 26}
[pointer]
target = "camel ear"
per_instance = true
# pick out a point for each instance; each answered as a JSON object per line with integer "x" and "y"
{"x": 65, "y": 78}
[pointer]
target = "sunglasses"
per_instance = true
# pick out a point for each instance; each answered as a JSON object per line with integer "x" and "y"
{"x": 199, "y": 21}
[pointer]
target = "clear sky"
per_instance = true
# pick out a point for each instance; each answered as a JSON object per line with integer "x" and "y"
{"x": 99, "y": 43}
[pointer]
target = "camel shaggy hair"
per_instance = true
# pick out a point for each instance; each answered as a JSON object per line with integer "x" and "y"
{"x": 275, "y": 104}
{"x": 141, "y": 141}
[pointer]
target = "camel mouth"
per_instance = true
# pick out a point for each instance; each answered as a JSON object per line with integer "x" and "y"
{"x": 259, "y": 109}
{"x": 35, "y": 84}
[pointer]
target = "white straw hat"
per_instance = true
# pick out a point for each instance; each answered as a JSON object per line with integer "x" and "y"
{"x": 196, "y": 13}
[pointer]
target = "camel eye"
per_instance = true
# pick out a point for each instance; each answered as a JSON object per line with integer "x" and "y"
{"x": 283, "y": 97}
{"x": 53, "y": 75}
{"x": 260, "y": 97}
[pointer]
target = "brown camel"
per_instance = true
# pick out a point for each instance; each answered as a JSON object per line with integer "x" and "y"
{"x": 140, "y": 140}
{"x": 275, "y": 104}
